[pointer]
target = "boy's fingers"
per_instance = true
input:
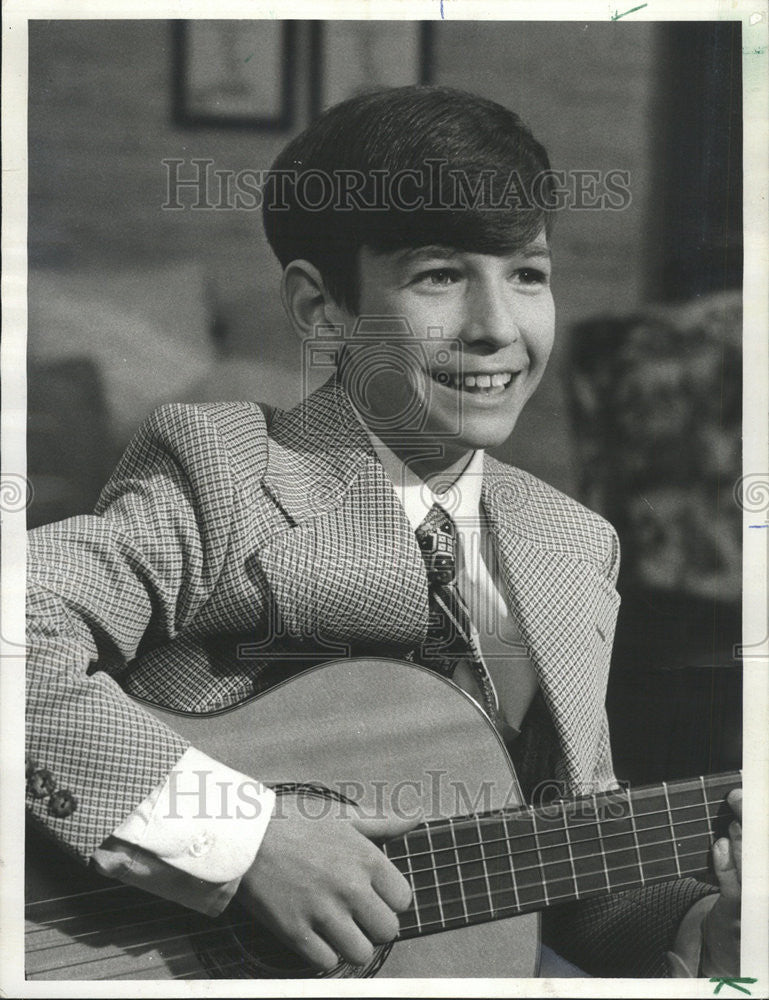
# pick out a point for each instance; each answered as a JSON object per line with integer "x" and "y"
{"x": 735, "y": 840}
{"x": 309, "y": 946}
{"x": 734, "y": 798}
{"x": 726, "y": 870}
{"x": 376, "y": 919}
{"x": 393, "y": 887}
{"x": 343, "y": 934}
{"x": 387, "y": 826}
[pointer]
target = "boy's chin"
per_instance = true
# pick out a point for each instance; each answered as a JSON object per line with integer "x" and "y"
{"x": 486, "y": 431}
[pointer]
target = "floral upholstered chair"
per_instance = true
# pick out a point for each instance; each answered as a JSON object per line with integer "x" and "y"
{"x": 656, "y": 400}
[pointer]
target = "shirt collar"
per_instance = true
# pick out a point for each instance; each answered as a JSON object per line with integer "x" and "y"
{"x": 462, "y": 499}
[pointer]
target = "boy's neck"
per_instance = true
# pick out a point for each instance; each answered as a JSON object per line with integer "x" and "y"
{"x": 438, "y": 471}
{"x": 443, "y": 470}
{"x": 428, "y": 461}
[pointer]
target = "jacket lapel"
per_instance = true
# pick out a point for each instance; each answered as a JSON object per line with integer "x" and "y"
{"x": 559, "y": 601}
{"x": 347, "y": 571}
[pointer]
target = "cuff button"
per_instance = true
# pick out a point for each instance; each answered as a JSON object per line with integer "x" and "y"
{"x": 41, "y": 783}
{"x": 201, "y": 845}
{"x": 62, "y": 804}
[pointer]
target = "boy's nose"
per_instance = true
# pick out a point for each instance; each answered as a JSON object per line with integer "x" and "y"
{"x": 491, "y": 318}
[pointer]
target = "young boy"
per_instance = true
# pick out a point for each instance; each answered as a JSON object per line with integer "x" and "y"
{"x": 413, "y": 229}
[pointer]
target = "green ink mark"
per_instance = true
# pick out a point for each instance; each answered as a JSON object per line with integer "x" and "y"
{"x": 616, "y": 15}
{"x": 249, "y": 57}
{"x": 733, "y": 982}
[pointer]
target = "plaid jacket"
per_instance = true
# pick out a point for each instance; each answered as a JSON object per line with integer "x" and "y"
{"x": 225, "y": 527}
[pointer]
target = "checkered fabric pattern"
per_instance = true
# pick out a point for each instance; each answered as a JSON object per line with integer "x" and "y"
{"x": 220, "y": 532}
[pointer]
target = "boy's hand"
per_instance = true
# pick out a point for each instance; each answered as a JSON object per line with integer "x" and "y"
{"x": 323, "y": 887}
{"x": 721, "y": 929}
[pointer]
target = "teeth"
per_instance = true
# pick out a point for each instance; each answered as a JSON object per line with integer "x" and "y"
{"x": 478, "y": 381}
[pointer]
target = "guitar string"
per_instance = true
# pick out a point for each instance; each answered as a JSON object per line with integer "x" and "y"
{"x": 98, "y": 930}
{"x": 547, "y": 898}
{"x": 450, "y": 824}
{"x": 424, "y": 889}
{"x": 461, "y": 882}
{"x": 509, "y": 910}
{"x": 541, "y": 867}
{"x": 452, "y": 848}
{"x": 536, "y": 903}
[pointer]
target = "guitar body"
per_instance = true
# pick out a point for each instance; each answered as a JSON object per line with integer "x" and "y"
{"x": 385, "y": 733}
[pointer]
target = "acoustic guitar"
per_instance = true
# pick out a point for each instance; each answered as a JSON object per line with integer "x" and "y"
{"x": 387, "y": 735}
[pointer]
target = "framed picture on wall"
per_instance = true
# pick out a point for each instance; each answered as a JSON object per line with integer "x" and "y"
{"x": 348, "y": 57}
{"x": 234, "y": 74}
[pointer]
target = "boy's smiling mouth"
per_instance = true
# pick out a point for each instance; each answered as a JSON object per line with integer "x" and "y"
{"x": 476, "y": 383}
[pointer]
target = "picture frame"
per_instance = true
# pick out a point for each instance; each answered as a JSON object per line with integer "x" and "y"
{"x": 236, "y": 74}
{"x": 348, "y": 57}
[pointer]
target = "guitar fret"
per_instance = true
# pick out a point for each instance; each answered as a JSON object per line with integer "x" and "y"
{"x": 539, "y": 854}
{"x": 435, "y": 876}
{"x": 705, "y": 798}
{"x": 571, "y": 855}
{"x": 635, "y": 838}
{"x": 473, "y": 870}
{"x": 709, "y": 820}
{"x": 510, "y": 862}
{"x": 412, "y": 880}
{"x": 600, "y": 842}
{"x": 585, "y": 866}
{"x": 672, "y": 829}
{"x": 485, "y": 866}
{"x": 459, "y": 870}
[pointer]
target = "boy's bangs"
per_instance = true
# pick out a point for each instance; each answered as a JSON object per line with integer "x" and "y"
{"x": 472, "y": 230}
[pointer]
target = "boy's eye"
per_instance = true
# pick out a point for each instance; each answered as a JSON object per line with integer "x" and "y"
{"x": 532, "y": 276}
{"x": 438, "y": 277}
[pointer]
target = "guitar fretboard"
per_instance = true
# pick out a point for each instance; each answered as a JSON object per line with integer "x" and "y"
{"x": 472, "y": 869}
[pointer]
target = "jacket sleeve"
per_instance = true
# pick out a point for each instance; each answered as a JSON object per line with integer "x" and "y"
{"x": 136, "y": 572}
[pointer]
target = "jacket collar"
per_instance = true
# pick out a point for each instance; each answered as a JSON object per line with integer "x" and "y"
{"x": 316, "y": 450}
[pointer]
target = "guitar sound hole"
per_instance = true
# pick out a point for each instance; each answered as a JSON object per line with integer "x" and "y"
{"x": 236, "y": 946}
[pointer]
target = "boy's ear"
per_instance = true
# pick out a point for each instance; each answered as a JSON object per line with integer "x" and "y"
{"x": 306, "y": 299}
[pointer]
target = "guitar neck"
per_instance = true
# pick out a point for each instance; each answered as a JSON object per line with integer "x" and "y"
{"x": 472, "y": 869}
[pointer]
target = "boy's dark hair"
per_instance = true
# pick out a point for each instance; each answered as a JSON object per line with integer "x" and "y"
{"x": 405, "y": 167}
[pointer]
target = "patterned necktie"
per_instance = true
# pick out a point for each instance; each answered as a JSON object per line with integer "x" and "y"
{"x": 451, "y": 637}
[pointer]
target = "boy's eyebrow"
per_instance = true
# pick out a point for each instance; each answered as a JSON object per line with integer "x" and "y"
{"x": 530, "y": 251}
{"x": 537, "y": 250}
{"x": 431, "y": 250}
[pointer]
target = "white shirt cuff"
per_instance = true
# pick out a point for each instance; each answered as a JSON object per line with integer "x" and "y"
{"x": 130, "y": 864}
{"x": 206, "y": 819}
